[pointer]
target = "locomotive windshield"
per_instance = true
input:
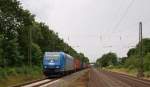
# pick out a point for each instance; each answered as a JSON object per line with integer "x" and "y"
{"x": 52, "y": 57}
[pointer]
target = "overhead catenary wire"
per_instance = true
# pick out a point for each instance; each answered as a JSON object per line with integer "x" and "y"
{"x": 125, "y": 13}
{"x": 121, "y": 18}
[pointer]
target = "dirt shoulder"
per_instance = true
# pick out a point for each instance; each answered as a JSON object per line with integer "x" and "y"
{"x": 78, "y": 79}
{"x": 81, "y": 81}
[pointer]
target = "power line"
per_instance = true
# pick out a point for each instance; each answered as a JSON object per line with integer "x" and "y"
{"x": 125, "y": 13}
{"x": 122, "y": 17}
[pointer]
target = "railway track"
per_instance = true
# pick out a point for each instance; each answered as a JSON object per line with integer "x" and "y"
{"x": 113, "y": 79}
{"x": 36, "y": 83}
{"x": 44, "y": 82}
{"x": 130, "y": 80}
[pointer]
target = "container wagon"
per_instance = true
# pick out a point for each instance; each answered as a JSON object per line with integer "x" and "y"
{"x": 77, "y": 64}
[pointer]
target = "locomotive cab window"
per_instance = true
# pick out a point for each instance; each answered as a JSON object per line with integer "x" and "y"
{"x": 52, "y": 57}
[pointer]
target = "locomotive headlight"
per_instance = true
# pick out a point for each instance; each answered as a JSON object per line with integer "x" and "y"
{"x": 57, "y": 66}
{"x": 45, "y": 66}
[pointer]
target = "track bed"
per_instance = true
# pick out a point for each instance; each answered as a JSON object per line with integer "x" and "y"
{"x": 111, "y": 79}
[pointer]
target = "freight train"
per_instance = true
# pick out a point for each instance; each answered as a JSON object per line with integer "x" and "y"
{"x": 60, "y": 63}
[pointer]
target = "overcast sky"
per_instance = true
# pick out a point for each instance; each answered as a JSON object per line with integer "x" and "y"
{"x": 89, "y": 26}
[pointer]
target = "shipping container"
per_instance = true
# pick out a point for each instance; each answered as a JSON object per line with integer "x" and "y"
{"x": 77, "y": 64}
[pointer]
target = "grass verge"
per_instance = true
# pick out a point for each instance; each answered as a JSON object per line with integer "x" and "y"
{"x": 17, "y": 75}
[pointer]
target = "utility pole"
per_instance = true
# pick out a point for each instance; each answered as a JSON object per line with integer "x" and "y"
{"x": 30, "y": 47}
{"x": 82, "y": 64}
{"x": 140, "y": 71}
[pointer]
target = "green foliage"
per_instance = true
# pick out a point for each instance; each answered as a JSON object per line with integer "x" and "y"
{"x": 36, "y": 54}
{"x": 146, "y": 46}
{"x": 147, "y": 62}
{"x": 109, "y": 59}
{"x": 132, "y": 51}
{"x": 15, "y": 41}
{"x": 1, "y": 50}
{"x": 132, "y": 62}
{"x": 15, "y": 26}
{"x": 122, "y": 60}
{"x": 6, "y": 72}
{"x": 11, "y": 53}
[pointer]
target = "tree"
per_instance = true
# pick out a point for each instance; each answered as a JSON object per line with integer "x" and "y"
{"x": 108, "y": 59}
{"x": 132, "y": 52}
{"x": 132, "y": 62}
{"x": 1, "y": 51}
{"x": 122, "y": 60}
{"x": 146, "y": 46}
{"x": 36, "y": 54}
{"x": 11, "y": 53}
{"x": 147, "y": 62}
{"x": 8, "y": 27}
{"x": 15, "y": 25}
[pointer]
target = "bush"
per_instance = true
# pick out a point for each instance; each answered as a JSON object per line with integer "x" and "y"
{"x": 3, "y": 73}
{"x": 147, "y": 62}
{"x": 11, "y": 71}
{"x": 147, "y": 74}
{"x": 132, "y": 62}
{"x": 6, "y": 72}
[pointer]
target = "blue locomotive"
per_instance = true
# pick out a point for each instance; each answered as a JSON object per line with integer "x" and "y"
{"x": 57, "y": 63}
